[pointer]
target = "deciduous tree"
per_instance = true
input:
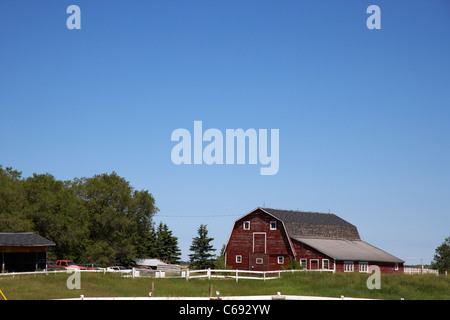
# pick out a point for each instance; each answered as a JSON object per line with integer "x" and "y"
{"x": 441, "y": 259}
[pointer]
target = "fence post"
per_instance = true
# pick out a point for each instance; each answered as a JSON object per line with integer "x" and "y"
{"x": 236, "y": 275}
{"x": 187, "y": 273}
{"x": 208, "y": 273}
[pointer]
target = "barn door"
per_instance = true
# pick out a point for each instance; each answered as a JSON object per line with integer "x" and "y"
{"x": 259, "y": 262}
{"x": 314, "y": 264}
{"x": 259, "y": 242}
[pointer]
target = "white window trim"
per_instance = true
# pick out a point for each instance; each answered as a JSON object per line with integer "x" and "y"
{"x": 245, "y": 222}
{"x": 350, "y": 264}
{"x": 396, "y": 266}
{"x": 310, "y": 263}
{"x": 280, "y": 258}
{"x": 259, "y": 261}
{"x": 265, "y": 241}
{"x": 364, "y": 266}
{"x": 323, "y": 264}
{"x": 306, "y": 262}
{"x": 238, "y": 259}
{"x": 270, "y": 224}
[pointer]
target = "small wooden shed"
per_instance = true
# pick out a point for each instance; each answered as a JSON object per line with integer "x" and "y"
{"x": 23, "y": 251}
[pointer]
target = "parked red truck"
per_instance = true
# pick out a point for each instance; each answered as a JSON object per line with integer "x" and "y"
{"x": 68, "y": 264}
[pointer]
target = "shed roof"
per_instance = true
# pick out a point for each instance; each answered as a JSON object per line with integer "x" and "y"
{"x": 28, "y": 239}
{"x": 342, "y": 249}
{"x": 149, "y": 262}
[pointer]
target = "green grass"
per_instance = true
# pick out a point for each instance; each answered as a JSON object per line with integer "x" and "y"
{"x": 53, "y": 286}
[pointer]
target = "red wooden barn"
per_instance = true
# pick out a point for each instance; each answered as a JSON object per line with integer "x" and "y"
{"x": 266, "y": 239}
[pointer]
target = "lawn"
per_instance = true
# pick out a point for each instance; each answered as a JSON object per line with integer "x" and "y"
{"x": 393, "y": 287}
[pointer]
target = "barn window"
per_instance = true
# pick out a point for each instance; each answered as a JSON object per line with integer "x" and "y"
{"x": 280, "y": 260}
{"x": 273, "y": 225}
{"x": 325, "y": 264}
{"x": 303, "y": 262}
{"x": 348, "y": 266}
{"x": 246, "y": 225}
{"x": 238, "y": 259}
{"x": 259, "y": 260}
{"x": 363, "y": 267}
{"x": 396, "y": 266}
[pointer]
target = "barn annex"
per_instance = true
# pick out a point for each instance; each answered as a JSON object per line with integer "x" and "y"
{"x": 266, "y": 239}
{"x": 23, "y": 251}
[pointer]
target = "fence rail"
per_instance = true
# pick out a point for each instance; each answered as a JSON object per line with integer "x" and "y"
{"x": 419, "y": 270}
{"x": 206, "y": 273}
{"x": 185, "y": 273}
{"x": 231, "y": 274}
{"x": 51, "y": 272}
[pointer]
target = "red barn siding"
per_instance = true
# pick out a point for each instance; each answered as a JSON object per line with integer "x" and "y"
{"x": 385, "y": 267}
{"x": 249, "y": 243}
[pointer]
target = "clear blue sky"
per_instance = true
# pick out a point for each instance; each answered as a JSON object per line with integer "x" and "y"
{"x": 363, "y": 114}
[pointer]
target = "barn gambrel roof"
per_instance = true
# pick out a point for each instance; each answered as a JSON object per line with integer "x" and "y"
{"x": 314, "y": 224}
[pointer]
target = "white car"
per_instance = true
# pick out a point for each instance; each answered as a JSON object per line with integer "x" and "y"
{"x": 118, "y": 269}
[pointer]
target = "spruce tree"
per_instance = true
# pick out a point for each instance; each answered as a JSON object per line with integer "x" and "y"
{"x": 202, "y": 258}
{"x": 167, "y": 245}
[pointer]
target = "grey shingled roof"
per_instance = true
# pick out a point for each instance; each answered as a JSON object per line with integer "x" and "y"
{"x": 307, "y": 217}
{"x": 29, "y": 239}
{"x": 314, "y": 224}
{"x": 341, "y": 249}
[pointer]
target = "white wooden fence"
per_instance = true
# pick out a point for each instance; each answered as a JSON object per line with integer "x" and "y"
{"x": 233, "y": 274}
{"x": 209, "y": 273}
{"x": 239, "y": 274}
{"x": 186, "y": 273}
{"x": 419, "y": 270}
{"x": 52, "y": 272}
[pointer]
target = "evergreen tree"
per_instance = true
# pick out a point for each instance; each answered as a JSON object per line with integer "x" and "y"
{"x": 202, "y": 258}
{"x": 167, "y": 245}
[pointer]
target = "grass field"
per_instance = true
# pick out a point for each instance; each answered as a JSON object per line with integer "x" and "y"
{"x": 393, "y": 287}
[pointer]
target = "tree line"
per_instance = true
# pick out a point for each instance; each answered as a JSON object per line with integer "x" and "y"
{"x": 101, "y": 219}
